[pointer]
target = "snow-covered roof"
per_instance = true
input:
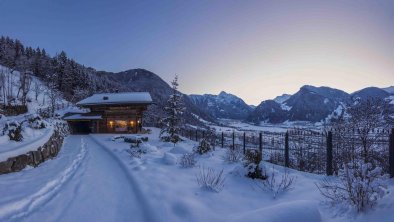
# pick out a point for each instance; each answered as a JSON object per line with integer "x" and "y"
{"x": 117, "y": 98}
{"x": 82, "y": 117}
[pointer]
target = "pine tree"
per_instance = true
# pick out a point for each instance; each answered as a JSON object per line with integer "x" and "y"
{"x": 171, "y": 123}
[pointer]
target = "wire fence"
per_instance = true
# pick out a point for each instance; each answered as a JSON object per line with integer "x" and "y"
{"x": 311, "y": 151}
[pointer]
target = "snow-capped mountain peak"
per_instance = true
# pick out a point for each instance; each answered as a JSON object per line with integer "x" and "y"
{"x": 223, "y": 105}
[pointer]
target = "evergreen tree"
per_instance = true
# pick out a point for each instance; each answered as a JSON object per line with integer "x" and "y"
{"x": 172, "y": 121}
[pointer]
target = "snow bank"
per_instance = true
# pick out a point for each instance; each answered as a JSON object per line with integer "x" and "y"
{"x": 148, "y": 148}
{"x": 169, "y": 159}
{"x": 4, "y": 139}
{"x": 296, "y": 211}
{"x": 33, "y": 140}
{"x": 179, "y": 150}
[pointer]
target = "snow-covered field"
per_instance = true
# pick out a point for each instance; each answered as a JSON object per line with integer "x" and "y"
{"x": 229, "y": 125}
{"x": 102, "y": 182}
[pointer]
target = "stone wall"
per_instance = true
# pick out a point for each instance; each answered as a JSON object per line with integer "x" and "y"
{"x": 34, "y": 158}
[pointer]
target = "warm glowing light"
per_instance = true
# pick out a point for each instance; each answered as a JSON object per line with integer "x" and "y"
{"x": 132, "y": 123}
{"x": 111, "y": 122}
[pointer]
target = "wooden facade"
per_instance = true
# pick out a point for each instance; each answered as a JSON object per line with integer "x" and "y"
{"x": 118, "y": 118}
{"x": 109, "y": 118}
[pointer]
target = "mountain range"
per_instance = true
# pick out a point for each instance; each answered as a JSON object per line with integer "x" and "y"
{"x": 310, "y": 103}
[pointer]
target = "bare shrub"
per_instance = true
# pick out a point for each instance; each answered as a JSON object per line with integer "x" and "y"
{"x": 252, "y": 156}
{"x": 208, "y": 179}
{"x": 360, "y": 185}
{"x": 277, "y": 185}
{"x": 135, "y": 152}
{"x": 188, "y": 160}
{"x": 233, "y": 155}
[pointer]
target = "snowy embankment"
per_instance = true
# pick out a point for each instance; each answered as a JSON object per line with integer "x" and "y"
{"x": 32, "y": 140}
{"x": 296, "y": 211}
{"x": 33, "y": 135}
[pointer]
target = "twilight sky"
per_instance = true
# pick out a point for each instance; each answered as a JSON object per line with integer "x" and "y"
{"x": 253, "y": 49}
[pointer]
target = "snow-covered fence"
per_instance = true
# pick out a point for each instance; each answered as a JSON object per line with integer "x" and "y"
{"x": 391, "y": 153}
{"x": 306, "y": 150}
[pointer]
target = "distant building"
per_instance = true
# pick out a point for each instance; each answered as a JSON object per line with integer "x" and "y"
{"x": 110, "y": 113}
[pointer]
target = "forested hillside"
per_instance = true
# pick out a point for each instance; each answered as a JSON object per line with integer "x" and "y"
{"x": 75, "y": 81}
{"x": 61, "y": 73}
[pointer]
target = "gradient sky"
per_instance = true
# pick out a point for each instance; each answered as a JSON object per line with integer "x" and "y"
{"x": 254, "y": 49}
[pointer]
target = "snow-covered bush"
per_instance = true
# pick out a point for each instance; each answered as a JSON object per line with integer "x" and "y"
{"x": 188, "y": 160}
{"x": 255, "y": 171}
{"x": 143, "y": 148}
{"x": 277, "y": 185}
{"x": 360, "y": 185}
{"x": 114, "y": 138}
{"x": 208, "y": 178}
{"x": 62, "y": 128}
{"x": 45, "y": 112}
{"x": 170, "y": 138}
{"x": 233, "y": 155}
{"x": 252, "y": 162}
{"x": 36, "y": 122}
{"x": 204, "y": 146}
{"x": 14, "y": 130}
{"x": 135, "y": 139}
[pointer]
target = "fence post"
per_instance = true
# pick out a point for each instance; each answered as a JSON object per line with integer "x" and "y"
{"x": 222, "y": 139}
{"x": 391, "y": 153}
{"x": 261, "y": 144}
{"x": 329, "y": 154}
{"x": 233, "y": 140}
{"x": 244, "y": 142}
{"x": 287, "y": 158}
{"x": 196, "y": 135}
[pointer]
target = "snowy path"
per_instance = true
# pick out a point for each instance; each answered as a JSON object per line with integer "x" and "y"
{"x": 94, "y": 187}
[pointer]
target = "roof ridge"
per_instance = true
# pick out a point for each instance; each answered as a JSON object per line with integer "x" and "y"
{"x": 118, "y": 93}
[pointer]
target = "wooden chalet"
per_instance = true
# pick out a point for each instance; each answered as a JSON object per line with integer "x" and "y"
{"x": 110, "y": 113}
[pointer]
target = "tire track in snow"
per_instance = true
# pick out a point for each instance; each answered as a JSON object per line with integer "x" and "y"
{"x": 147, "y": 210}
{"x": 29, "y": 204}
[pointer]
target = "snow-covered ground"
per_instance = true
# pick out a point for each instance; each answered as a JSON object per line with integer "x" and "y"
{"x": 102, "y": 182}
